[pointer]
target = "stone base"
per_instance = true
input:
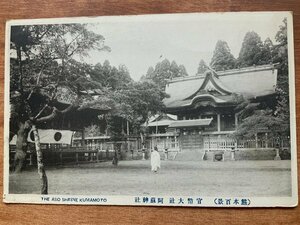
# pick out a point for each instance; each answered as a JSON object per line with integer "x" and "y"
{"x": 277, "y": 157}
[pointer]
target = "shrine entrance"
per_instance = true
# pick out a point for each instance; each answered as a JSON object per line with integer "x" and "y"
{"x": 191, "y": 141}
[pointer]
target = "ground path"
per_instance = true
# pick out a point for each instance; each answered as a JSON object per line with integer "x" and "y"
{"x": 231, "y": 178}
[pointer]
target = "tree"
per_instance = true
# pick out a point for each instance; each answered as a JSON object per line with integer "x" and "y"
{"x": 130, "y": 102}
{"x": 133, "y": 103}
{"x": 254, "y": 51}
{"x": 281, "y": 56}
{"x": 109, "y": 76}
{"x": 260, "y": 121}
{"x": 276, "y": 119}
{"x": 44, "y": 67}
{"x": 267, "y": 55}
{"x": 282, "y": 89}
{"x": 202, "y": 67}
{"x": 257, "y": 118}
{"x": 163, "y": 71}
{"x": 222, "y": 58}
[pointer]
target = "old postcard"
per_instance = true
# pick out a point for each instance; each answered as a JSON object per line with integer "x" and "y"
{"x": 192, "y": 110}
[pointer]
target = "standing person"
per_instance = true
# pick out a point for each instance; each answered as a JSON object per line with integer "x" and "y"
{"x": 155, "y": 160}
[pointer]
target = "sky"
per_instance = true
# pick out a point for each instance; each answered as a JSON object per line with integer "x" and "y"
{"x": 139, "y": 42}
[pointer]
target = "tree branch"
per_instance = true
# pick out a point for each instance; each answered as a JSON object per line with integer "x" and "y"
{"x": 55, "y": 113}
{"x": 42, "y": 110}
{"x": 38, "y": 78}
{"x": 67, "y": 47}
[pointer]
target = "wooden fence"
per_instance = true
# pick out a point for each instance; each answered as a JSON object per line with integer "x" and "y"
{"x": 225, "y": 143}
{"x": 92, "y": 150}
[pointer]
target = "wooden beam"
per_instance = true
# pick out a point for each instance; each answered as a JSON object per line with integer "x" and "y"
{"x": 219, "y": 122}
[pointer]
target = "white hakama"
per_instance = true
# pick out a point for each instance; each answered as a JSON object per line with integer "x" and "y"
{"x": 155, "y": 161}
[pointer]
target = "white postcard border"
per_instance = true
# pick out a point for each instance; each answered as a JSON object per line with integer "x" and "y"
{"x": 131, "y": 200}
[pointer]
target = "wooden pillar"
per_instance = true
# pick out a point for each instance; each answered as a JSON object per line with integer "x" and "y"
{"x": 256, "y": 141}
{"x": 235, "y": 144}
{"x": 106, "y": 130}
{"x": 143, "y": 151}
{"x": 30, "y": 159}
{"x": 61, "y": 158}
{"x": 83, "y": 139}
{"x": 179, "y": 143}
{"x": 93, "y": 144}
{"x": 76, "y": 154}
{"x": 127, "y": 127}
{"x": 219, "y": 122}
{"x": 91, "y": 156}
{"x": 101, "y": 149}
{"x": 151, "y": 143}
{"x": 97, "y": 155}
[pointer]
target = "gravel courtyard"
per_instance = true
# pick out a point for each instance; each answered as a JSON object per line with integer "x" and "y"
{"x": 238, "y": 178}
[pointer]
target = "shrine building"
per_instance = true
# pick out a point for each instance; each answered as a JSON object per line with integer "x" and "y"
{"x": 205, "y": 105}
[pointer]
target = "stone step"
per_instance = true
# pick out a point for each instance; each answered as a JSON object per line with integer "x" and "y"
{"x": 214, "y": 155}
{"x": 189, "y": 155}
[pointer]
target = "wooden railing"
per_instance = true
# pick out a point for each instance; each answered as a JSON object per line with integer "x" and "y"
{"x": 224, "y": 143}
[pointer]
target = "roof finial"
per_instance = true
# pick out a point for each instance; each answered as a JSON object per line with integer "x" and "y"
{"x": 213, "y": 71}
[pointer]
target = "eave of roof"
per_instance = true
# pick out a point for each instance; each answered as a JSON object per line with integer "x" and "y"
{"x": 160, "y": 123}
{"x": 251, "y": 82}
{"x": 217, "y": 101}
{"x": 190, "y": 123}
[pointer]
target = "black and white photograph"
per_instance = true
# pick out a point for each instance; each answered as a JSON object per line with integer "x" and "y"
{"x": 194, "y": 110}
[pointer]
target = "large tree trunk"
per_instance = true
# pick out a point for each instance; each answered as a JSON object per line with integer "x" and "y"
{"x": 21, "y": 146}
{"x": 40, "y": 164}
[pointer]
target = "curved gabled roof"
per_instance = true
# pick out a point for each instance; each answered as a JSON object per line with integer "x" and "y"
{"x": 178, "y": 90}
{"x": 249, "y": 82}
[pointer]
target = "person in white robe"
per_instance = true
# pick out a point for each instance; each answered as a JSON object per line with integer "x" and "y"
{"x": 155, "y": 160}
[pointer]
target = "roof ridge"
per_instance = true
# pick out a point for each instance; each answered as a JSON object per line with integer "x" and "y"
{"x": 225, "y": 72}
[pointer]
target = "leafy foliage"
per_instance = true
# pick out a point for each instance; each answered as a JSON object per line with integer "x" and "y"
{"x": 111, "y": 77}
{"x": 45, "y": 61}
{"x": 222, "y": 58}
{"x": 163, "y": 71}
{"x": 256, "y": 118}
{"x": 43, "y": 70}
{"x": 202, "y": 67}
{"x": 128, "y": 101}
{"x": 281, "y": 57}
{"x": 254, "y": 51}
{"x": 282, "y": 89}
{"x": 260, "y": 121}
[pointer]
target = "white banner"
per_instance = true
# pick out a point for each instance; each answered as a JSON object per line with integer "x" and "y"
{"x": 49, "y": 137}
